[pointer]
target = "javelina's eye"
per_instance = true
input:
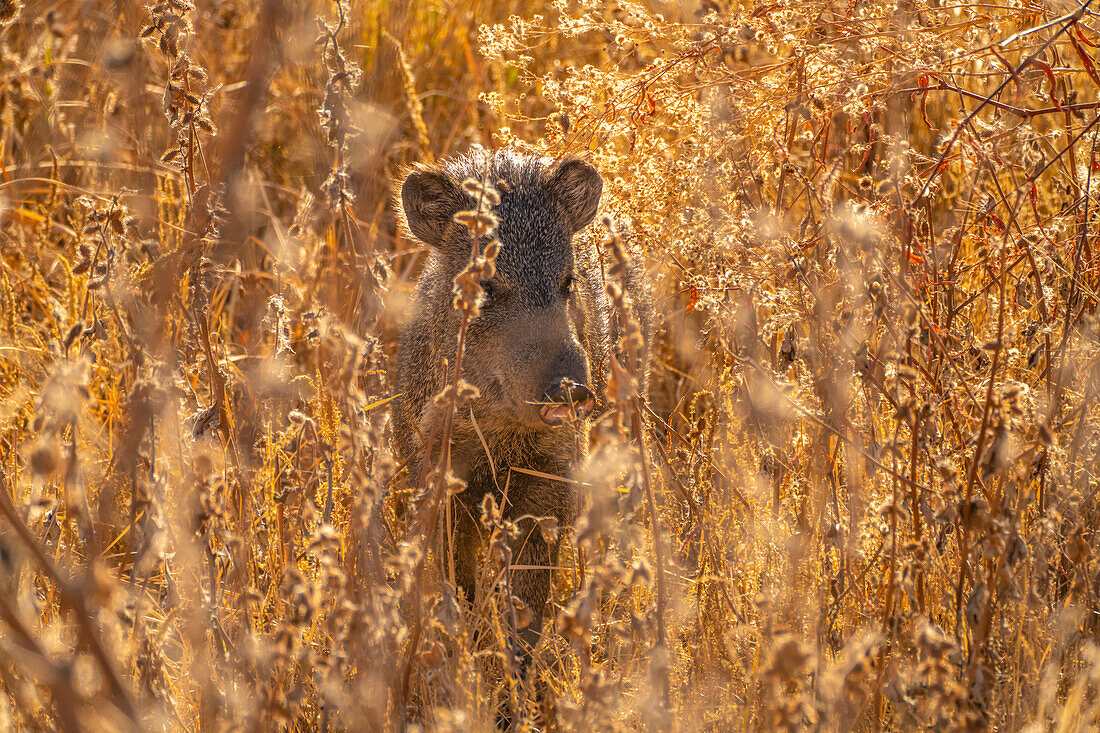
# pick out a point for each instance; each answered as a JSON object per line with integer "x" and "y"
{"x": 567, "y": 285}
{"x": 488, "y": 289}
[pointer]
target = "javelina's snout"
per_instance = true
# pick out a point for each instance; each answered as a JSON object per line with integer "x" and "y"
{"x": 567, "y": 400}
{"x": 555, "y": 366}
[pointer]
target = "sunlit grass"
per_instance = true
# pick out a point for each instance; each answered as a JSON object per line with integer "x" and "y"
{"x": 870, "y": 433}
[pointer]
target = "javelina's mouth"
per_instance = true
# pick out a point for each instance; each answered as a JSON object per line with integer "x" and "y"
{"x": 560, "y": 414}
{"x": 567, "y": 401}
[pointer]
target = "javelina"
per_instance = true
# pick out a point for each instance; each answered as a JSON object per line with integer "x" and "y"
{"x": 538, "y": 353}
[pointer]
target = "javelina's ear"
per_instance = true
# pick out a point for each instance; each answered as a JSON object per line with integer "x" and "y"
{"x": 577, "y": 187}
{"x": 430, "y": 200}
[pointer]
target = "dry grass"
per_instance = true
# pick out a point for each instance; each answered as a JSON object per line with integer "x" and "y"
{"x": 868, "y": 498}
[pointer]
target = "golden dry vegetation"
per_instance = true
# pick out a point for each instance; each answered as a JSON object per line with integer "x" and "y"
{"x": 867, "y": 495}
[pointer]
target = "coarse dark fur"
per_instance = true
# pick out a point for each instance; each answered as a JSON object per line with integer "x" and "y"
{"x": 534, "y": 329}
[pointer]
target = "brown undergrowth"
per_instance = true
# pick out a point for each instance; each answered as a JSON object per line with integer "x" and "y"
{"x": 865, "y": 496}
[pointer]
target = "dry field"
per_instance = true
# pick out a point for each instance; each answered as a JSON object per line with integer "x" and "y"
{"x": 865, "y": 494}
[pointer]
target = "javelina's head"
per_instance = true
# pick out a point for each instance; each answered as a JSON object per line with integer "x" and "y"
{"x": 524, "y": 352}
